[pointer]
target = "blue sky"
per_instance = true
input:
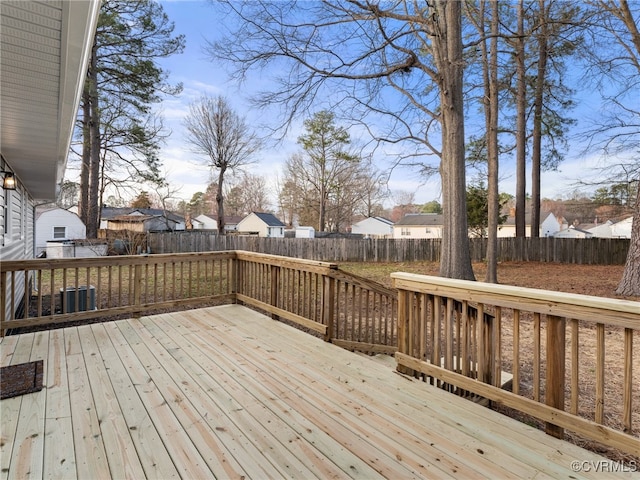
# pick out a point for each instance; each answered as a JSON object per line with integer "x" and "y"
{"x": 197, "y": 21}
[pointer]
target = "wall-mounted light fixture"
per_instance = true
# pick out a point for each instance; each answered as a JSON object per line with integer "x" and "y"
{"x": 9, "y": 182}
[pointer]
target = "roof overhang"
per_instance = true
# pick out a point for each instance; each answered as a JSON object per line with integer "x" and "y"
{"x": 44, "y": 52}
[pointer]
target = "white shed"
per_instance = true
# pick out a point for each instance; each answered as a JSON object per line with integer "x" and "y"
{"x": 305, "y": 232}
{"x": 57, "y": 224}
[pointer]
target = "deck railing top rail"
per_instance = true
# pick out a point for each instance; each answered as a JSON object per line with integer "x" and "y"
{"x": 611, "y": 311}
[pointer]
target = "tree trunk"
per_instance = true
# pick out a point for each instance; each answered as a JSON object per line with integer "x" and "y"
{"x": 492, "y": 151}
{"x": 93, "y": 210}
{"x": 538, "y": 100}
{"x": 322, "y": 221}
{"x": 455, "y": 260}
{"x": 630, "y": 282}
{"x": 83, "y": 207}
{"x": 220, "y": 203}
{"x": 521, "y": 128}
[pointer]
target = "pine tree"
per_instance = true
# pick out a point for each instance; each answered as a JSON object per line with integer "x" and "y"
{"x": 119, "y": 130}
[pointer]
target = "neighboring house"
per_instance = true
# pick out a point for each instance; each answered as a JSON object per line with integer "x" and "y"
{"x": 419, "y": 225}
{"x": 139, "y": 222}
{"x": 208, "y": 223}
{"x": 262, "y": 224}
{"x": 164, "y": 219}
{"x": 45, "y": 52}
{"x": 549, "y": 225}
{"x": 373, "y": 227}
{"x": 57, "y": 224}
{"x": 211, "y": 223}
{"x": 573, "y": 232}
{"x": 602, "y": 230}
{"x": 194, "y": 224}
{"x": 622, "y": 229}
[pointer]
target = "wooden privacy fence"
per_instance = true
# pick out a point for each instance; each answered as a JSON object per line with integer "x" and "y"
{"x": 346, "y": 309}
{"x": 572, "y": 358}
{"x": 600, "y": 251}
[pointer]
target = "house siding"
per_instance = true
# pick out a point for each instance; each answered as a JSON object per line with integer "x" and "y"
{"x": 17, "y": 240}
{"x": 417, "y": 231}
{"x": 251, "y": 224}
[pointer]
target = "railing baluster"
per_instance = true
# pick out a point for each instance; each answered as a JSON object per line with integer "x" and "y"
{"x": 3, "y": 303}
{"x": 627, "y": 393}
{"x": 536, "y": 357}
{"x": 575, "y": 366}
{"x": 516, "y": 352}
{"x": 464, "y": 360}
{"x": 497, "y": 347}
{"x": 40, "y": 286}
{"x": 600, "y": 345}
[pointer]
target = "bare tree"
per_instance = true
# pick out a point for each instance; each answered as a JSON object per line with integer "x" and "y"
{"x": 223, "y": 137}
{"x": 614, "y": 54}
{"x": 400, "y": 62}
{"x": 247, "y": 194}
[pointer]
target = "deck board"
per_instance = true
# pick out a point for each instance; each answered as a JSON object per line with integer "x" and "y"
{"x": 226, "y": 392}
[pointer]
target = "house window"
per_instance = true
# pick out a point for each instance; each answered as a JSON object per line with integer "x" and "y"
{"x": 405, "y": 231}
{"x": 427, "y": 230}
{"x": 59, "y": 233}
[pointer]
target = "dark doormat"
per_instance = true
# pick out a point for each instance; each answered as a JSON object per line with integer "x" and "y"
{"x": 20, "y": 379}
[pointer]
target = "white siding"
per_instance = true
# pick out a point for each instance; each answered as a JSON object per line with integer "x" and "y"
{"x": 49, "y": 220}
{"x": 208, "y": 223}
{"x": 417, "y": 231}
{"x": 17, "y": 240}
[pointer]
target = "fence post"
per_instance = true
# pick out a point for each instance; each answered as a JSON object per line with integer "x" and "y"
{"x": 555, "y": 384}
{"x": 275, "y": 286}
{"x": 328, "y": 297}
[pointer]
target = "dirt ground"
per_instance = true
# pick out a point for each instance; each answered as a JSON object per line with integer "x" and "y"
{"x": 597, "y": 280}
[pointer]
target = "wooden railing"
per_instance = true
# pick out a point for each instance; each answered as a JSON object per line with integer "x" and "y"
{"x": 351, "y": 311}
{"x": 348, "y": 310}
{"x": 571, "y": 357}
{"x": 49, "y": 291}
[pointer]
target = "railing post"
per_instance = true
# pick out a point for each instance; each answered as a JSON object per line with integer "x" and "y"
{"x": 275, "y": 286}
{"x": 555, "y": 384}
{"x": 328, "y": 310}
{"x": 137, "y": 287}
{"x": 487, "y": 353}
{"x": 235, "y": 277}
{"x": 404, "y": 344}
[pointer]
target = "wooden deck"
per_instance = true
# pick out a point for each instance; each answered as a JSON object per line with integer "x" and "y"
{"x": 226, "y": 392}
